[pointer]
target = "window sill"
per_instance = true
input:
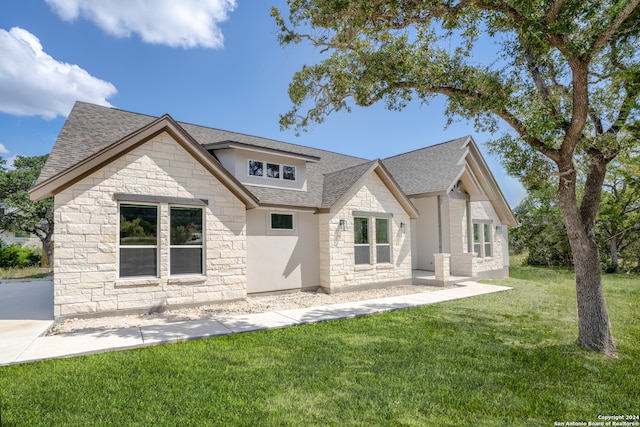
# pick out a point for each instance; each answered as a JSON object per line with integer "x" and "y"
{"x": 135, "y": 282}
{"x": 385, "y": 266}
{"x": 187, "y": 280}
{"x": 363, "y": 267}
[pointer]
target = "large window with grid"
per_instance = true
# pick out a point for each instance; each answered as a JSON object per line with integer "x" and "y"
{"x": 138, "y": 240}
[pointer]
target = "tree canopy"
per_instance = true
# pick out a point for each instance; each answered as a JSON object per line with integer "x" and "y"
{"x": 20, "y": 213}
{"x": 564, "y": 76}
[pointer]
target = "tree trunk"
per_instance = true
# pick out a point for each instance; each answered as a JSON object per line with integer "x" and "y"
{"x": 593, "y": 320}
{"x": 613, "y": 247}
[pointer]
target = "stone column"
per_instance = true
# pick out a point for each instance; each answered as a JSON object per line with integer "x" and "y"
{"x": 443, "y": 268}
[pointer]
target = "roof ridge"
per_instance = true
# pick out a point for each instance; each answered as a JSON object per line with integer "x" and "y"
{"x": 351, "y": 167}
{"x": 429, "y": 146}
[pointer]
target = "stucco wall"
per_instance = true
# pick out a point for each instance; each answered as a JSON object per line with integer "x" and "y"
{"x": 279, "y": 260}
{"x": 425, "y": 233}
{"x": 86, "y": 240}
{"x": 338, "y": 271}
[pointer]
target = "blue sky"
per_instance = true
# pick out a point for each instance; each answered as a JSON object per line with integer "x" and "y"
{"x": 209, "y": 62}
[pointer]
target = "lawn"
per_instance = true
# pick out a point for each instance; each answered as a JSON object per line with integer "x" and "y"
{"x": 505, "y": 359}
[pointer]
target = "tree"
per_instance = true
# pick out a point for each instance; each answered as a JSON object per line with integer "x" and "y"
{"x": 20, "y": 213}
{"x": 618, "y": 220}
{"x": 541, "y": 231}
{"x": 567, "y": 80}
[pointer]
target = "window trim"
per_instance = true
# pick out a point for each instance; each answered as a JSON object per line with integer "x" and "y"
{"x": 201, "y": 246}
{"x": 156, "y": 246}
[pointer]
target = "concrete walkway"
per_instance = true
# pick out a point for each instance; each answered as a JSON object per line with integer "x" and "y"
{"x": 88, "y": 342}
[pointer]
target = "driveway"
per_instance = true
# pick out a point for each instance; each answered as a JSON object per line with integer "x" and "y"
{"x": 26, "y": 312}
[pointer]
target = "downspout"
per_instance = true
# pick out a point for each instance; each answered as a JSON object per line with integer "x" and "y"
{"x": 439, "y": 225}
{"x": 469, "y": 228}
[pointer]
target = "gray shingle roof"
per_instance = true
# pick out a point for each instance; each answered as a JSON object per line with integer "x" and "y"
{"x": 430, "y": 169}
{"x": 90, "y": 129}
{"x": 336, "y": 184}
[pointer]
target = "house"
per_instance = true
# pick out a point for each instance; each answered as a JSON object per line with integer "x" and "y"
{"x": 152, "y": 213}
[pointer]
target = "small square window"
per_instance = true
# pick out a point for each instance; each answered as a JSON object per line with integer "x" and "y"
{"x": 273, "y": 170}
{"x": 281, "y": 221}
{"x": 256, "y": 168}
{"x": 289, "y": 173}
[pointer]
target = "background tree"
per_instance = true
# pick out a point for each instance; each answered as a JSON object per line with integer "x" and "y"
{"x": 541, "y": 232}
{"x": 618, "y": 220}
{"x": 20, "y": 213}
{"x": 566, "y": 77}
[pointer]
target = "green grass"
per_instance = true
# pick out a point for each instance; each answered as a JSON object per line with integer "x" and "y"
{"x": 505, "y": 359}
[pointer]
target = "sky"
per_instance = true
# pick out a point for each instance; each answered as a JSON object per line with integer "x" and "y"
{"x": 214, "y": 63}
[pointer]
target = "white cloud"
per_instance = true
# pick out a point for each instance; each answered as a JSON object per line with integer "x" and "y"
{"x": 3, "y": 149}
{"x": 33, "y": 83}
{"x": 183, "y": 23}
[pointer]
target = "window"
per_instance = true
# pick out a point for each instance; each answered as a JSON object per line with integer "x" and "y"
{"x": 255, "y": 168}
{"x": 186, "y": 240}
{"x": 361, "y": 240}
{"x": 487, "y": 239}
{"x": 138, "y": 240}
{"x": 273, "y": 170}
{"x": 383, "y": 246}
{"x": 482, "y": 239}
{"x": 289, "y": 173}
{"x": 281, "y": 221}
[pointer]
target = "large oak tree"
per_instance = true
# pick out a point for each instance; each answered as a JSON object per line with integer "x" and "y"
{"x": 565, "y": 78}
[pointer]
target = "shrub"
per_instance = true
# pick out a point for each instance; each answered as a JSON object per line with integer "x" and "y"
{"x": 19, "y": 256}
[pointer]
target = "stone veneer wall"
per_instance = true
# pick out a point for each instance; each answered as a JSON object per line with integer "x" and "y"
{"x": 86, "y": 237}
{"x": 491, "y": 267}
{"x": 338, "y": 272}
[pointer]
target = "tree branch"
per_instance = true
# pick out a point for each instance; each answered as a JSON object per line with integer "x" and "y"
{"x": 606, "y": 36}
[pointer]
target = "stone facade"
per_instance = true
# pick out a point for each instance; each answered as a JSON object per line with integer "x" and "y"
{"x": 338, "y": 271}
{"x": 86, "y": 237}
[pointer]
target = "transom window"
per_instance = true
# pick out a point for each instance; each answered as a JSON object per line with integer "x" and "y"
{"x": 482, "y": 244}
{"x": 186, "y": 240}
{"x": 138, "y": 240}
{"x": 272, "y": 170}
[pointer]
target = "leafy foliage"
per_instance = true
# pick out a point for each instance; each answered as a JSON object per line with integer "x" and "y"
{"x": 20, "y": 213}
{"x": 18, "y": 256}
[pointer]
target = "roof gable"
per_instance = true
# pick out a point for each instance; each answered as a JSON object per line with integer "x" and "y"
{"x": 46, "y": 187}
{"x": 341, "y": 185}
